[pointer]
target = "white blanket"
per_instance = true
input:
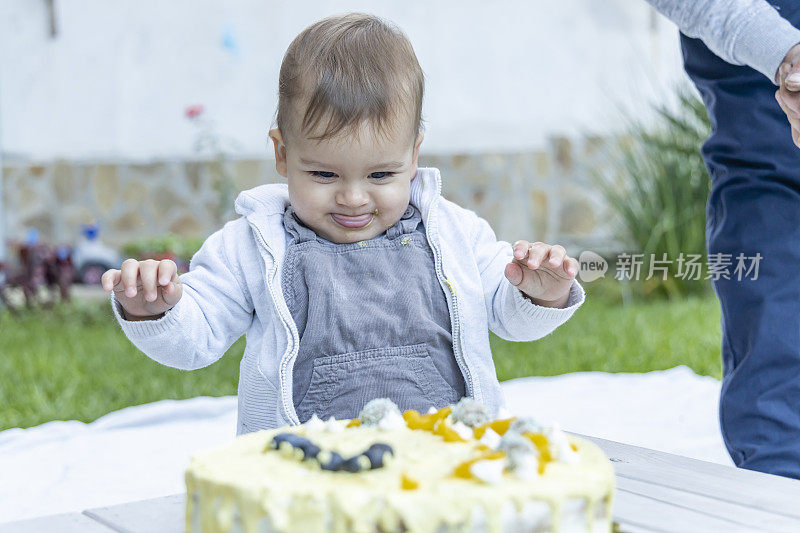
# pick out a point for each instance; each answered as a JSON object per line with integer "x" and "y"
{"x": 141, "y": 452}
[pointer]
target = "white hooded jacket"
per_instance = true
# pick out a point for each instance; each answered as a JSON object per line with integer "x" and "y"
{"x": 233, "y": 287}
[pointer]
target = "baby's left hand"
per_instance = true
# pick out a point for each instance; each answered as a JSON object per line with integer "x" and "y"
{"x": 543, "y": 272}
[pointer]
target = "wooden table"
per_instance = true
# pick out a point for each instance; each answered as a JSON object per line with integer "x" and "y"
{"x": 656, "y": 492}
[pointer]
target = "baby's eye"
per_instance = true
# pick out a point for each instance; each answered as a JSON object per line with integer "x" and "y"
{"x": 381, "y": 175}
{"x": 323, "y": 174}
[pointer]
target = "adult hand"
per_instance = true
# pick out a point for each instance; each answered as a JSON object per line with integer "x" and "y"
{"x": 788, "y": 94}
{"x": 543, "y": 272}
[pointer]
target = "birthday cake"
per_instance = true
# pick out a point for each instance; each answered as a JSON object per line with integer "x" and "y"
{"x": 448, "y": 470}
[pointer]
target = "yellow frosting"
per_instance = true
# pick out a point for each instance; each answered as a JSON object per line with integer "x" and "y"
{"x": 416, "y": 489}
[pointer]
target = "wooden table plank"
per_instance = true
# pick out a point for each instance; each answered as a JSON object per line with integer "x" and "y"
{"x": 61, "y": 523}
{"x": 673, "y": 502}
{"x": 636, "y": 513}
{"x": 746, "y": 488}
{"x": 157, "y": 515}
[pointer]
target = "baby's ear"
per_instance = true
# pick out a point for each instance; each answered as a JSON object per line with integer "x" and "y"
{"x": 280, "y": 151}
{"x": 417, "y": 144}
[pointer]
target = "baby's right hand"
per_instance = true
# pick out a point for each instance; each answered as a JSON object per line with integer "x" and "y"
{"x": 159, "y": 283}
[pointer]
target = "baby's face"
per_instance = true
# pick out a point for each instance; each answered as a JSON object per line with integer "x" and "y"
{"x": 348, "y": 188}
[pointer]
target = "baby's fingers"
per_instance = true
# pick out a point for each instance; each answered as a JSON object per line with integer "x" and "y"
{"x": 537, "y": 254}
{"x": 571, "y": 266}
{"x": 557, "y": 255}
{"x": 521, "y": 249}
{"x": 110, "y": 279}
{"x": 169, "y": 281}
{"x": 148, "y": 270}
{"x": 167, "y": 271}
{"x": 130, "y": 275}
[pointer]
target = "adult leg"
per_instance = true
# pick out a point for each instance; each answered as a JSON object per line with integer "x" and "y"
{"x": 754, "y": 207}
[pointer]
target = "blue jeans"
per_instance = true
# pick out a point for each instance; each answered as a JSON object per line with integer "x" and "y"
{"x": 754, "y": 207}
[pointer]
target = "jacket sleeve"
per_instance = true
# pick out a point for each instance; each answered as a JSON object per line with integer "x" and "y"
{"x": 213, "y": 312}
{"x": 744, "y": 32}
{"x": 512, "y": 316}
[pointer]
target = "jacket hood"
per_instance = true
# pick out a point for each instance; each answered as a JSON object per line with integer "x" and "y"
{"x": 272, "y": 198}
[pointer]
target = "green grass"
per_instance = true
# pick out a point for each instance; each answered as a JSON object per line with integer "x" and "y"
{"x": 609, "y": 337}
{"x": 74, "y": 363}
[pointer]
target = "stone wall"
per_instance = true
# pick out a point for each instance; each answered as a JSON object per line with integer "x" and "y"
{"x": 546, "y": 195}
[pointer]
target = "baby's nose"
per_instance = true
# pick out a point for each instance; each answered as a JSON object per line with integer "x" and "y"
{"x": 353, "y": 197}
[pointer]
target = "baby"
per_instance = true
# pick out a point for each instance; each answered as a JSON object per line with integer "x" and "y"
{"x": 358, "y": 280}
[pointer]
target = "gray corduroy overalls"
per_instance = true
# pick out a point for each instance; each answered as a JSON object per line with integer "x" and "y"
{"x": 372, "y": 319}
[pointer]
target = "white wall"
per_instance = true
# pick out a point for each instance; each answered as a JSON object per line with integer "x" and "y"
{"x": 501, "y": 75}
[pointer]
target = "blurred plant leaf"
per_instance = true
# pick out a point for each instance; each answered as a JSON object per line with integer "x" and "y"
{"x": 182, "y": 247}
{"x": 657, "y": 185}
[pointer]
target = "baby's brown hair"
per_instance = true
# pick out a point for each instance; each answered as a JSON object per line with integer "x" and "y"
{"x": 345, "y": 70}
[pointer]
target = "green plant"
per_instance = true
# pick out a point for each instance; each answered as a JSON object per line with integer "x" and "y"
{"x": 209, "y": 141}
{"x": 182, "y": 248}
{"x": 657, "y": 185}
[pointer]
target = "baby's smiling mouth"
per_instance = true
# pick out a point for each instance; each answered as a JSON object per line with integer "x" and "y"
{"x": 353, "y": 222}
